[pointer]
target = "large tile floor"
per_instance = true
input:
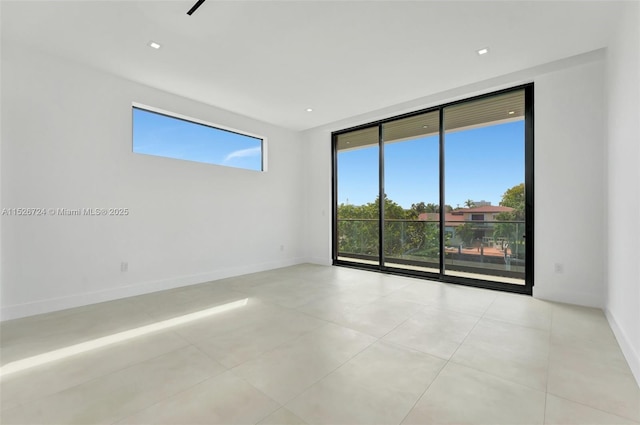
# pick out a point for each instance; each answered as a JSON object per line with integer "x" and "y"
{"x": 322, "y": 345}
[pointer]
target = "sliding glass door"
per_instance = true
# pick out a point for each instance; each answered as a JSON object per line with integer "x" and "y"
{"x": 444, "y": 193}
{"x": 484, "y": 162}
{"x": 411, "y": 176}
{"x": 357, "y": 218}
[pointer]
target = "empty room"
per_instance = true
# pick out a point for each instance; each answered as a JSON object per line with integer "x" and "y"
{"x": 319, "y": 212}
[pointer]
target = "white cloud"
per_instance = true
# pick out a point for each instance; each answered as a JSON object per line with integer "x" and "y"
{"x": 243, "y": 153}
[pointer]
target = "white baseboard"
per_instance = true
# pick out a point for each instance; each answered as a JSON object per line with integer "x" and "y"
{"x": 77, "y": 300}
{"x": 630, "y": 353}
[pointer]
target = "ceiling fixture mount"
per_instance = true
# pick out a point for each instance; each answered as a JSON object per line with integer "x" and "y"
{"x": 483, "y": 51}
{"x": 195, "y": 7}
{"x": 154, "y": 45}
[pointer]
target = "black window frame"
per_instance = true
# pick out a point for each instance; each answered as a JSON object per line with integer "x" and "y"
{"x": 527, "y": 288}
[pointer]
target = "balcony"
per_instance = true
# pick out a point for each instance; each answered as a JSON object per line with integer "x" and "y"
{"x": 489, "y": 250}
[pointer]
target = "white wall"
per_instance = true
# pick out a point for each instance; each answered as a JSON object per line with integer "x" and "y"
{"x": 66, "y": 143}
{"x": 317, "y": 180}
{"x": 623, "y": 271}
{"x": 570, "y": 107}
{"x": 569, "y": 180}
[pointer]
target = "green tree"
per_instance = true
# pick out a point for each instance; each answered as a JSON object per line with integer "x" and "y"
{"x": 447, "y": 209}
{"x": 466, "y": 232}
{"x": 430, "y": 242}
{"x": 358, "y": 229}
{"x": 469, "y": 203}
{"x": 514, "y": 198}
{"x": 400, "y": 230}
{"x": 511, "y": 226}
{"x": 421, "y": 208}
{"x": 404, "y": 234}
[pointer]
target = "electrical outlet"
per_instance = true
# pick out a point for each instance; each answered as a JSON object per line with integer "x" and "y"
{"x": 124, "y": 266}
{"x": 281, "y": 247}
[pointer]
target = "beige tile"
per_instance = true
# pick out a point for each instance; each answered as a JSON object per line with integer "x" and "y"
{"x": 501, "y": 348}
{"x": 177, "y": 302}
{"x": 282, "y": 416}
{"x": 292, "y": 367}
{"x": 293, "y": 292}
{"x": 40, "y": 334}
{"x": 375, "y": 284}
{"x": 253, "y": 314}
{"x": 337, "y": 305}
{"x": 516, "y": 353}
{"x": 456, "y": 298}
{"x": 234, "y": 347}
{"x": 434, "y": 331}
{"x": 467, "y": 300}
{"x": 244, "y": 283}
{"x": 460, "y": 395}
{"x": 224, "y": 399}
{"x": 379, "y": 385}
{"x": 422, "y": 292}
{"x": 595, "y": 374}
{"x": 379, "y": 317}
{"x": 31, "y": 384}
{"x": 521, "y": 310}
{"x": 570, "y": 321}
{"x": 362, "y": 280}
{"x": 114, "y": 396}
{"x": 564, "y": 412}
{"x": 393, "y": 368}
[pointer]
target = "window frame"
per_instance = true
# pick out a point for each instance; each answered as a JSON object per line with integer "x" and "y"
{"x": 529, "y": 137}
{"x": 197, "y": 121}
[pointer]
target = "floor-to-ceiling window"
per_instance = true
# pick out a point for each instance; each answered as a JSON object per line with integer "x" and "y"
{"x": 358, "y": 214}
{"x": 411, "y": 156}
{"x": 445, "y": 193}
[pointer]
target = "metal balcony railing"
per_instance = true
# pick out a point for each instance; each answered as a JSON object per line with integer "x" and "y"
{"x": 490, "y": 247}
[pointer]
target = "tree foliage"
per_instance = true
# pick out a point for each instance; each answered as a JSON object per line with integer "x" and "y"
{"x": 514, "y": 198}
{"x": 408, "y": 237}
{"x": 358, "y": 231}
{"x": 421, "y": 208}
{"x": 511, "y": 229}
{"x": 466, "y": 233}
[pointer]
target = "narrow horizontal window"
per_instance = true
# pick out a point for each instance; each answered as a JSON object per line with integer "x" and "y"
{"x": 161, "y": 134}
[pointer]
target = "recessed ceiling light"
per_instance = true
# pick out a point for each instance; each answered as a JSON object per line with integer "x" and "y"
{"x": 309, "y": 110}
{"x": 425, "y": 126}
{"x": 511, "y": 112}
{"x": 154, "y": 45}
{"x": 483, "y": 51}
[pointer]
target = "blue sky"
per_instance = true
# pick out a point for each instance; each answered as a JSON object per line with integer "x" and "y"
{"x": 156, "y": 134}
{"x": 480, "y": 164}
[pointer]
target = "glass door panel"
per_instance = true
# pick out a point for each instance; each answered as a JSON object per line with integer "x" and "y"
{"x": 411, "y": 209}
{"x": 357, "y": 226}
{"x": 442, "y": 193}
{"x": 484, "y": 164}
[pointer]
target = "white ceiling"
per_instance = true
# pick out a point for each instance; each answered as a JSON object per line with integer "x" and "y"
{"x": 271, "y": 60}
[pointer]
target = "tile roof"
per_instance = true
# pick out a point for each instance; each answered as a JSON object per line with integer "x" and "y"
{"x": 486, "y": 209}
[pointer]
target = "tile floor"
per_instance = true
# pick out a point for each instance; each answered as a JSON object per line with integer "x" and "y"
{"x": 322, "y": 345}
